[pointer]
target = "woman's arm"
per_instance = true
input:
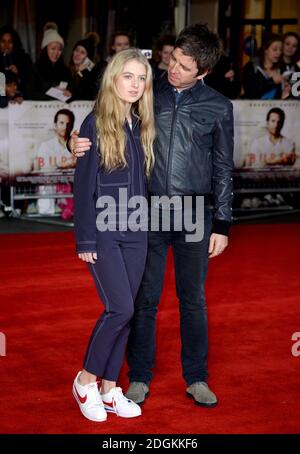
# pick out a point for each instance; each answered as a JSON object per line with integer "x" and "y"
{"x": 84, "y": 192}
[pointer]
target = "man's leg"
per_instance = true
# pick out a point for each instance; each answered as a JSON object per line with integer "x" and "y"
{"x": 191, "y": 263}
{"x": 141, "y": 342}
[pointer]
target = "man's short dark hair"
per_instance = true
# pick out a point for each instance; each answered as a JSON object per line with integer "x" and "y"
{"x": 202, "y": 44}
{"x": 279, "y": 112}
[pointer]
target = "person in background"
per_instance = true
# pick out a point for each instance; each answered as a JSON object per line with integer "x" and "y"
{"x": 50, "y": 70}
{"x": 120, "y": 40}
{"x": 290, "y": 58}
{"x": 224, "y": 77}
{"x": 121, "y": 132}
{"x": 12, "y": 93}
{"x": 165, "y": 47}
{"x": 82, "y": 66}
{"x": 290, "y": 52}
{"x": 14, "y": 58}
{"x": 262, "y": 79}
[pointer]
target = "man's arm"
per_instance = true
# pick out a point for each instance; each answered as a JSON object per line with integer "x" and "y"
{"x": 222, "y": 182}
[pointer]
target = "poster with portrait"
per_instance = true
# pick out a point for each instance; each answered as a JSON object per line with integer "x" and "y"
{"x": 37, "y": 146}
{"x": 4, "y": 146}
{"x": 267, "y": 142}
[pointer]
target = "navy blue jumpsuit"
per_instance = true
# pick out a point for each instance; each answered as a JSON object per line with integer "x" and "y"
{"x": 121, "y": 253}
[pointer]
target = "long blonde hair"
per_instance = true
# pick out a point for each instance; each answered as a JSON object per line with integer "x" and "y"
{"x": 110, "y": 114}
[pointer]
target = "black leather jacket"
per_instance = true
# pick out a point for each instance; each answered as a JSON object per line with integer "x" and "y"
{"x": 194, "y": 147}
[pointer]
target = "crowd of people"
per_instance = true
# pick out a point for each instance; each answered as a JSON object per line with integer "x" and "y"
{"x": 268, "y": 75}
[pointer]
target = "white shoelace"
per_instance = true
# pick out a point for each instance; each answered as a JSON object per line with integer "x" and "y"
{"x": 118, "y": 396}
{"x": 97, "y": 399}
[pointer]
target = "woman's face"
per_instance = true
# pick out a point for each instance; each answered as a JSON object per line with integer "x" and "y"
{"x": 132, "y": 81}
{"x": 290, "y": 46}
{"x": 54, "y": 51}
{"x": 165, "y": 54}
{"x": 6, "y": 43}
{"x": 274, "y": 51}
{"x": 79, "y": 55}
{"x": 121, "y": 42}
{"x": 11, "y": 89}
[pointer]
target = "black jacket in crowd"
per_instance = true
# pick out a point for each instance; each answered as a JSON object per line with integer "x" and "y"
{"x": 256, "y": 84}
{"x": 217, "y": 80}
{"x": 17, "y": 57}
{"x": 47, "y": 75}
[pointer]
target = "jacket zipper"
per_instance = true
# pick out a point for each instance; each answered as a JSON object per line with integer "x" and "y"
{"x": 139, "y": 163}
{"x": 169, "y": 162}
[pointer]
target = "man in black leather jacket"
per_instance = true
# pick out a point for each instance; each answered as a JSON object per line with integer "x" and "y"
{"x": 193, "y": 152}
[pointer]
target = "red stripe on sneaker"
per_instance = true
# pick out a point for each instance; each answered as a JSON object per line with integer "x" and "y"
{"x": 82, "y": 399}
{"x": 108, "y": 404}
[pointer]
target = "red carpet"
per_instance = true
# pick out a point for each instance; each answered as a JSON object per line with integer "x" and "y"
{"x": 49, "y": 306}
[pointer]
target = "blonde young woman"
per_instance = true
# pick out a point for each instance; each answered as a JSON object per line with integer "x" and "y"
{"x": 121, "y": 132}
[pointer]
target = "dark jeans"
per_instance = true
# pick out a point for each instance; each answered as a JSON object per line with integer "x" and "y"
{"x": 191, "y": 262}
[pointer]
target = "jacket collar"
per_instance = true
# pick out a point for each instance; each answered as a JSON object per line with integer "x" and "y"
{"x": 165, "y": 86}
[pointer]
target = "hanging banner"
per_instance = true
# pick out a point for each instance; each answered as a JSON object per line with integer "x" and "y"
{"x": 37, "y": 140}
{"x": 33, "y": 135}
{"x": 267, "y": 144}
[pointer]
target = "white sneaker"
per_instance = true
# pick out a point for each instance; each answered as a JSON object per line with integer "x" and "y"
{"x": 89, "y": 400}
{"x": 115, "y": 402}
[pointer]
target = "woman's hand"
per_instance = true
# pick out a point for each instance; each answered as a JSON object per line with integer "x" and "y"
{"x": 13, "y": 68}
{"x": 286, "y": 91}
{"x": 67, "y": 93}
{"x": 89, "y": 257}
{"x": 277, "y": 78}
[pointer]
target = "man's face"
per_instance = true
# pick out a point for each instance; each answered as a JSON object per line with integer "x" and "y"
{"x": 274, "y": 124}
{"x": 121, "y": 43}
{"x": 182, "y": 71}
{"x": 61, "y": 125}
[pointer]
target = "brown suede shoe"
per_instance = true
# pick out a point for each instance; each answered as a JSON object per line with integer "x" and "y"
{"x": 201, "y": 394}
{"x": 137, "y": 392}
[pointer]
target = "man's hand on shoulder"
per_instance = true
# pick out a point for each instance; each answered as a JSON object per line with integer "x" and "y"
{"x": 78, "y": 145}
